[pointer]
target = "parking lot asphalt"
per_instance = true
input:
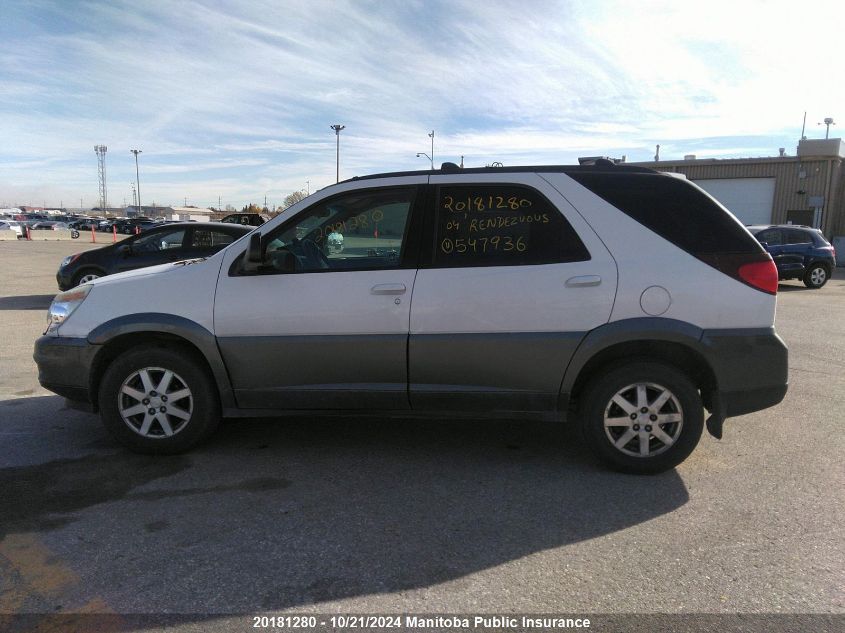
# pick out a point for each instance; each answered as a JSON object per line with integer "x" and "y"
{"x": 377, "y": 515}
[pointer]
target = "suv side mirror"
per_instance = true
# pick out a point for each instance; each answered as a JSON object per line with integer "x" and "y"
{"x": 254, "y": 256}
{"x": 764, "y": 244}
{"x": 125, "y": 250}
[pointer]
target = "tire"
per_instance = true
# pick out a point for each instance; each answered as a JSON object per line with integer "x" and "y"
{"x": 85, "y": 275}
{"x": 129, "y": 391}
{"x": 617, "y": 395}
{"x": 816, "y": 276}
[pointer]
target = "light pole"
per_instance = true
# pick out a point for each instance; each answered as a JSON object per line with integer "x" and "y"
{"x": 137, "y": 178}
{"x": 337, "y": 128}
{"x": 828, "y": 122}
{"x": 428, "y": 157}
{"x": 431, "y": 135}
{"x": 307, "y": 188}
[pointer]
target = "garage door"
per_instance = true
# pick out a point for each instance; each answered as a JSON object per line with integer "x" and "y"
{"x": 749, "y": 199}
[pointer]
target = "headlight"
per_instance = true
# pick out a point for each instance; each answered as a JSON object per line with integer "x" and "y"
{"x": 67, "y": 261}
{"x": 64, "y": 304}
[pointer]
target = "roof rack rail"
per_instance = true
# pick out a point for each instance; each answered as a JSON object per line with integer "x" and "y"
{"x": 449, "y": 168}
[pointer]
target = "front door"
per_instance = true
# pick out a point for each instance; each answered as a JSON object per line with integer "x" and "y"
{"x": 157, "y": 246}
{"x": 333, "y": 332}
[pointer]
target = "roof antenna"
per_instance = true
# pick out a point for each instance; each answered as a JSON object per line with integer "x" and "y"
{"x": 657, "y": 154}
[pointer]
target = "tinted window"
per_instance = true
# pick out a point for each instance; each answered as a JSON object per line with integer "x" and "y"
{"x": 771, "y": 237}
{"x": 209, "y": 238}
{"x": 794, "y": 236}
{"x": 361, "y": 230}
{"x": 501, "y": 225}
{"x": 159, "y": 241}
{"x": 674, "y": 209}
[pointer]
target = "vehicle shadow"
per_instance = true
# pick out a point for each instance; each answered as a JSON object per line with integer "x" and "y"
{"x": 274, "y": 514}
{"x": 26, "y": 302}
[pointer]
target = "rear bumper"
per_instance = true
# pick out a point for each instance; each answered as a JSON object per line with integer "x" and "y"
{"x": 751, "y": 367}
{"x": 64, "y": 366}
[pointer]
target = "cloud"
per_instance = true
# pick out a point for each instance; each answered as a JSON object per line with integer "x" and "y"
{"x": 238, "y": 98}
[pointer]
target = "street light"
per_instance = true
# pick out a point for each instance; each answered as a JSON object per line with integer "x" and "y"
{"x": 431, "y": 135}
{"x": 828, "y": 122}
{"x": 137, "y": 178}
{"x": 428, "y": 157}
{"x": 337, "y": 128}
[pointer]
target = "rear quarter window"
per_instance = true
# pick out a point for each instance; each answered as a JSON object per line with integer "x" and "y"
{"x": 674, "y": 209}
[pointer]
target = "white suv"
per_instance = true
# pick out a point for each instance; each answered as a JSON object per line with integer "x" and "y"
{"x": 620, "y": 298}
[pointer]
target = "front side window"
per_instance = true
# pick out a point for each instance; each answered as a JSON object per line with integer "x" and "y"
{"x": 361, "y": 230}
{"x": 771, "y": 237}
{"x": 501, "y": 225}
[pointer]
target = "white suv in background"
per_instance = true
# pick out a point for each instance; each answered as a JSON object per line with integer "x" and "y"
{"x": 622, "y": 299}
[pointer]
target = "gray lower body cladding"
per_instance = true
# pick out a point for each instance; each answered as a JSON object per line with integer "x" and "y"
{"x": 482, "y": 372}
{"x": 470, "y": 372}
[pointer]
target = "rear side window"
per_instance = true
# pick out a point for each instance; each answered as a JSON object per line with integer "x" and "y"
{"x": 794, "y": 236}
{"x": 501, "y": 225}
{"x": 674, "y": 209}
{"x": 209, "y": 238}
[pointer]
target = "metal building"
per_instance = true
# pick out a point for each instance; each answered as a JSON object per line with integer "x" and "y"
{"x": 805, "y": 189}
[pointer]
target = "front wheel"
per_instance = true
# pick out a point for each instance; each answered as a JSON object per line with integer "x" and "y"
{"x": 157, "y": 400}
{"x": 642, "y": 418}
{"x": 816, "y": 276}
{"x": 83, "y": 277}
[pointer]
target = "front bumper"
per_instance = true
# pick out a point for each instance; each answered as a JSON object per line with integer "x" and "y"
{"x": 64, "y": 279}
{"x": 65, "y": 366}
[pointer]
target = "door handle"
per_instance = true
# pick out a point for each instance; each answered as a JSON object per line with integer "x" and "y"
{"x": 388, "y": 289}
{"x": 583, "y": 281}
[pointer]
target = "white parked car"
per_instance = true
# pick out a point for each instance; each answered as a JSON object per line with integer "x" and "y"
{"x": 613, "y": 297}
{"x": 13, "y": 225}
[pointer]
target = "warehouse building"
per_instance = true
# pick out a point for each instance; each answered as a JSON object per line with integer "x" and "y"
{"x": 805, "y": 189}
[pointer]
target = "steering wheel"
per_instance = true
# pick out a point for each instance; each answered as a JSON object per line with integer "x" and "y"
{"x": 311, "y": 253}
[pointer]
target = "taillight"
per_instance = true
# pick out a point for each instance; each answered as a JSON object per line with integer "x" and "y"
{"x": 757, "y": 270}
{"x": 760, "y": 275}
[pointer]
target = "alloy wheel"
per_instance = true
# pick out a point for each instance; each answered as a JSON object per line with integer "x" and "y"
{"x": 155, "y": 402}
{"x": 643, "y": 419}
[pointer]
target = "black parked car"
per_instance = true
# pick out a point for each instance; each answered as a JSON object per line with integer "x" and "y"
{"x": 800, "y": 252}
{"x": 159, "y": 245}
{"x": 246, "y": 219}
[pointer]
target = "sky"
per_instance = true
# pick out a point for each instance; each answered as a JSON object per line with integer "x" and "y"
{"x": 235, "y": 99}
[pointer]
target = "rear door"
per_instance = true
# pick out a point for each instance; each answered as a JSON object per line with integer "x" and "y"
{"x": 773, "y": 239}
{"x": 514, "y": 279}
{"x": 797, "y": 245}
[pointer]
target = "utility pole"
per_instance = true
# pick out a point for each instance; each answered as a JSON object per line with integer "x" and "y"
{"x": 307, "y": 188}
{"x": 100, "y": 150}
{"x": 137, "y": 177}
{"x": 219, "y": 208}
{"x": 337, "y": 128}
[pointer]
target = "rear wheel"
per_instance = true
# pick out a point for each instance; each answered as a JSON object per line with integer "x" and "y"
{"x": 158, "y": 401}
{"x": 816, "y": 276}
{"x": 642, "y": 418}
